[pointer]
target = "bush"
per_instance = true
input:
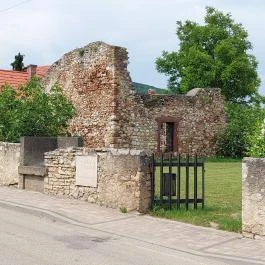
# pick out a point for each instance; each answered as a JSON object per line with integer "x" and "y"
{"x": 242, "y": 121}
{"x": 33, "y": 112}
{"x": 256, "y": 140}
{"x": 10, "y": 110}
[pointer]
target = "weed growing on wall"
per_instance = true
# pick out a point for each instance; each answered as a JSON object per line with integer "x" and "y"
{"x": 81, "y": 52}
{"x": 32, "y": 112}
{"x": 124, "y": 210}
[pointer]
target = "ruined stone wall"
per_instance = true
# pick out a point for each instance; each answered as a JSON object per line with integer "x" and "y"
{"x": 200, "y": 113}
{"x": 123, "y": 178}
{"x": 109, "y": 114}
{"x": 9, "y": 161}
{"x": 253, "y": 197}
{"x": 201, "y": 117}
{"x": 87, "y": 77}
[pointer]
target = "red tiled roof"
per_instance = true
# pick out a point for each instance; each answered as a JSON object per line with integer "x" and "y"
{"x": 18, "y": 78}
{"x": 13, "y": 78}
{"x": 42, "y": 70}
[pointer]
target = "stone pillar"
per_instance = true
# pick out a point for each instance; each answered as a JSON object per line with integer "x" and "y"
{"x": 253, "y": 197}
{"x": 21, "y": 183}
{"x": 144, "y": 182}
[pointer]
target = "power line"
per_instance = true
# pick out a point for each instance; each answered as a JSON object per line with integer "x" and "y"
{"x": 14, "y": 6}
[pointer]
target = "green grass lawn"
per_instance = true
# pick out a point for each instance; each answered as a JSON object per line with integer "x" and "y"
{"x": 222, "y": 197}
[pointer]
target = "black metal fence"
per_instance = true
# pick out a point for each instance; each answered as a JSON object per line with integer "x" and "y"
{"x": 177, "y": 180}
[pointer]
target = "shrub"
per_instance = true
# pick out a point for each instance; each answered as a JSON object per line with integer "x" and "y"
{"x": 256, "y": 140}
{"x": 10, "y": 110}
{"x": 33, "y": 112}
{"x": 242, "y": 119}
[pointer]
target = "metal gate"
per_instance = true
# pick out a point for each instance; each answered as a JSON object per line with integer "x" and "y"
{"x": 177, "y": 181}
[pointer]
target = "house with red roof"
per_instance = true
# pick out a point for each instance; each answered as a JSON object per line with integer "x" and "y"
{"x": 17, "y": 78}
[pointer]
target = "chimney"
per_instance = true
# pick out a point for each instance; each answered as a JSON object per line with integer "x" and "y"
{"x": 151, "y": 92}
{"x": 31, "y": 70}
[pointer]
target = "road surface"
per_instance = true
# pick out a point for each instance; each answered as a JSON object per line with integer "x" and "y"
{"x": 29, "y": 237}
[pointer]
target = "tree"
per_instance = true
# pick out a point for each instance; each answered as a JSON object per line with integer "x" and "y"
{"x": 33, "y": 112}
{"x": 18, "y": 64}
{"x": 212, "y": 55}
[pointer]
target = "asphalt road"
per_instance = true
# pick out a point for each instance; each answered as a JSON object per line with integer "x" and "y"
{"x": 32, "y": 238}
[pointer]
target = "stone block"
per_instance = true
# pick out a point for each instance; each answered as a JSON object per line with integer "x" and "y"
{"x": 34, "y": 183}
{"x": 32, "y": 170}
{"x": 9, "y": 161}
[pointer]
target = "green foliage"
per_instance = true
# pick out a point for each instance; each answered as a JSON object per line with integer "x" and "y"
{"x": 241, "y": 123}
{"x": 123, "y": 210}
{"x": 10, "y": 107}
{"x": 212, "y": 55}
{"x": 256, "y": 140}
{"x": 34, "y": 112}
{"x": 221, "y": 159}
{"x": 81, "y": 52}
{"x": 18, "y": 64}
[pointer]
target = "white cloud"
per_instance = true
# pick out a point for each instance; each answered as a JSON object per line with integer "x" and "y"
{"x": 44, "y": 30}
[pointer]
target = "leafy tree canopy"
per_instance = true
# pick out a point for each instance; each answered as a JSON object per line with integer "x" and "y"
{"x": 18, "y": 64}
{"x": 212, "y": 55}
{"x": 33, "y": 112}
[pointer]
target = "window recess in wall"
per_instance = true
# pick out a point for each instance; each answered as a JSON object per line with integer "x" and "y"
{"x": 167, "y": 134}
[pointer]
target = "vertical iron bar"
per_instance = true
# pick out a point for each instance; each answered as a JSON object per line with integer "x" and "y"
{"x": 187, "y": 182}
{"x": 178, "y": 182}
{"x": 152, "y": 180}
{"x": 195, "y": 182}
{"x": 161, "y": 179}
{"x": 170, "y": 180}
{"x": 203, "y": 183}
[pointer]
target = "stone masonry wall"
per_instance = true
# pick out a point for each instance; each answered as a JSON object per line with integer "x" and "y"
{"x": 123, "y": 177}
{"x": 87, "y": 77}
{"x": 109, "y": 114}
{"x": 9, "y": 161}
{"x": 200, "y": 113}
{"x": 253, "y": 197}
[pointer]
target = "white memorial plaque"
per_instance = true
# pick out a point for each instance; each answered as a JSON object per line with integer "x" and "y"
{"x": 87, "y": 170}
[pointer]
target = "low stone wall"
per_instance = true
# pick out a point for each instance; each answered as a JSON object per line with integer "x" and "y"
{"x": 9, "y": 161}
{"x": 122, "y": 177}
{"x": 253, "y": 197}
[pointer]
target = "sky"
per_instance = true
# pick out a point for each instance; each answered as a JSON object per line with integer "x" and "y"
{"x": 44, "y": 30}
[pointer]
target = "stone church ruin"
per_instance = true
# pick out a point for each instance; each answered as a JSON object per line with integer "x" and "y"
{"x": 110, "y": 114}
{"x": 119, "y": 128}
